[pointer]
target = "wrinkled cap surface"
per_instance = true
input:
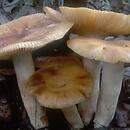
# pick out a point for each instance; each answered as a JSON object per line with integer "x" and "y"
{"x": 60, "y": 84}
{"x": 28, "y": 33}
{"x": 108, "y": 51}
{"x": 91, "y": 21}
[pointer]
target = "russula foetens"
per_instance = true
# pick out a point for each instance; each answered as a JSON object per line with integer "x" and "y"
{"x": 113, "y": 54}
{"x": 61, "y": 83}
{"x": 91, "y": 21}
{"x": 17, "y": 39}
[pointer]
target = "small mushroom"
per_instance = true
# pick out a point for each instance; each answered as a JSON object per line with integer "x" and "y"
{"x": 61, "y": 83}
{"x": 113, "y": 54}
{"x": 17, "y": 39}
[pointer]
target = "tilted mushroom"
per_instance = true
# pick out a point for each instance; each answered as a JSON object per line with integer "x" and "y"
{"x": 17, "y": 39}
{"x": 113, "y": 54}
{"x": 61, "y": 83}
{"x": 87, "y": 21}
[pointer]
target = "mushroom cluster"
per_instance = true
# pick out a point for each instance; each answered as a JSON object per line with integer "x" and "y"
{"x": 29, "y": 33}
{"x": 99, "y": 54}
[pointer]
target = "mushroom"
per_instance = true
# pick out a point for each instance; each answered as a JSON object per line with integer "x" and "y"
{"x": 91, "y": 21}
{"x": 113, "y": 54}
{"x": 61, "y": 83}
{"x": 17, "y": 39}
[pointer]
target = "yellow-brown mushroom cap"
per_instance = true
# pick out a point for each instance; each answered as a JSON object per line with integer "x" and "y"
{"x": 91, "y": 21}
{"x": 46, "y": 62}
{"x": 95, "y": 21}
{"x": 28, "y": 33}
{"x": 60, "y": 84}
{"x": 108, "y": 51}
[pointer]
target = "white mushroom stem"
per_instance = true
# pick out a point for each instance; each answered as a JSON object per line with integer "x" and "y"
{"x": 111, "y": 83}
{"x": 72, "y": 116}
{"x": 88, "y": 107}
{"x": 24, "y": 68}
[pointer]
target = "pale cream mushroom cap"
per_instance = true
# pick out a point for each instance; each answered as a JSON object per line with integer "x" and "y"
{"x": 60, "y": 84}
{"x": 91, "y": 21}
{"x": 96, "y": 21}
{"x": 108, "y": 51}
{"x": 28, "y": 33}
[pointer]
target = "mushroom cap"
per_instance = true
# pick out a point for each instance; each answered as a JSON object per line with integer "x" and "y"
{"x": 45, "y": 62}
{"x": 60, "y": 84}
{"x": 108, "y": 51}
{"x": 91, "y": 21}
{"x": 28, "y": 33}
{"x": 54, "y": 14}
